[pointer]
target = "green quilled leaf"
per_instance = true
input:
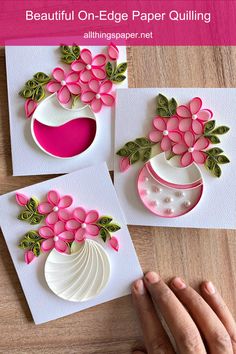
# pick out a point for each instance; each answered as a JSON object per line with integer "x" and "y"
{"x": 41, "y": 77}
{"x": 25, "y": 215}
{"x": 220, "y": 130}
{"x": 222, "y": 159}
{"x": 118, "y": 78}
{"x": 104, "y": 234}
{"x": 134, "y": 157}
{"x": 32, "y": 204}
{"x": 214, "y": 151}
{"x": 76, "y": 51}
{"x": 123, "y": 152}
{"x": 121, "y": 68}
{"x": 217, "y": 170}
{"x": 104, "y": 220}
{"x": 147, "y": 154}
{"x": 32, "y": 235}
{"x": 212, "y": 164}
{"x": 163, "y": 112}
{"x": 172, "y": 104}
{"x": 209, "y": 126}
{"x": 109, "y": 69}
{"x": 162, "y": 101}
{"x": 36, "y": 249}
{"x": 143, "y": 142}
{"x": 213, "y": 139}
{"x": 36, "y": 219}
{"x": 112, "y": 228}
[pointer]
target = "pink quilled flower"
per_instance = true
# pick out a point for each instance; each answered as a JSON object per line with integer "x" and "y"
{"x": 165, "y": 132}
{"x": 55, "y": 207}
{"x": 64, "y": 85}
{"x": 90, "y": 67}
{"x": 113, "y": 242}
{"x": 193, "y": 116}
{"x": 29, "y": 256}
{"x": 98, "y": 95}
{"x": 56, "y": 237}
{"x": 191, "y": 149}
{"x": 83, "y": 224}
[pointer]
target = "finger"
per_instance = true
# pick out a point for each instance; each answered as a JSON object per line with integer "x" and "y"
{"x": 155, "y": 338}
{"x": 180, "y": 323}
{"x": 215, "y": 301}
{"x": 217, "y": 338}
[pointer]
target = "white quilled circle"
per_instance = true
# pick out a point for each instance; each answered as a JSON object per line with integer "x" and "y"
{"x": 81, "y": 275}
{"x": 169, "y": 191}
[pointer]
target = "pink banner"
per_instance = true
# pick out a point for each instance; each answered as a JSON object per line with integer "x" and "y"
{"x": 183, "y": 22}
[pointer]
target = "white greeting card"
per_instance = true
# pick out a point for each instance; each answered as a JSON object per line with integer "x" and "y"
{"x": 176, "y": 162}
{"x": 69, "y": 243}
{"x": 63, "y": 118}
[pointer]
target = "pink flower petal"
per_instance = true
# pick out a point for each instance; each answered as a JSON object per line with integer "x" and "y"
{"x": 87, "y": 96}
{"x": 79, "y": 214}
{"x": 72, "y": 77}
{"x": 195, "y": 105}
{"x": 53, "y": 86}
{"x": 46, "y": 232}
{"x": 124, "y": 164}
{"x": 199, "y": 157}
{"x": 64, "y": 215}
{"x": 61, "y": 246}
{"x": 96, "y": 105}
{"x": 172, "y": 123}
{"x": 113, "y": 242}
{"x": 72, "y": 225}
{"x": 59, "y": 227}
{"x": 176, "y": 137}
{"x": 155, "y": 136}
{"x": 58, "y": 74}
{"x": 185, "y": 124}
{"x": 99, "y": 73}
{"x": 186, "y": 159}
{"x": 105, "y": 86}
{"x": 65, "y": 201}
{"x": 201, "y": 143}
{"x": 29, "y": 256}
{"x": 197, "y": 126}
{"x": 99, "y": 60}
{"x": 74, "y": 88}
{"x": 113, "y": 52}
{"x": 63, "y": 95}
{"x": 67, "y": 236}
{"x": 86, "y": 56}
{"x": 179, "y": 149}
{"x": 47, "y": 245}
{"x": 21, "y": 199}
{"x": 45, "y": 208}
{"x": 53, "y": 197}
{"x": 159, "y": 124}
{"x": 107, "y": 100}
{"x": 80, "y": 235}
{"x": 92, "y": 230}
{"x": 205, "y": 114}
{"x": 91, "y": 217}
{"x": 30, "y": 107}
{"x": 85, "y": 75}
{"x": 165, "y": 144}
{"x": 183, "y": 112}
{"x": 52, "y": 218}
{"x": 78, "y": 65}
{"x": 94, "y": 85}
{"x": 189, "y": 139}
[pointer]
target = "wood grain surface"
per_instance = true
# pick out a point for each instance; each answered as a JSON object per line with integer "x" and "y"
{"x": 112, "y": 328}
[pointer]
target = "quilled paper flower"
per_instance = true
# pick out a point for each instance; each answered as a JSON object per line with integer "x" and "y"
{"x": 98, "y": 95}
{"x": 55, "y": 207}
{"x": 64, "y": 84}
{"x": 56, "y": 237}
{"x": 166, "y": 132}
{"x": 29, "y": 256}
{"x": 113, "y": 242}
{"x": 193, "y": 116}
{"x": 90, "y": 67}
{"x": 191, "y": 150}
{"x": 83, "y": 223}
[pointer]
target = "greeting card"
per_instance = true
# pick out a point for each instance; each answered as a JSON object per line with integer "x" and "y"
{"x": 69, "y": 243}
{"x": 61, "y": 104}
{"x": 175, "y": 152}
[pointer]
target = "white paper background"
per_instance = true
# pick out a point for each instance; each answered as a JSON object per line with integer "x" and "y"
{"x": 22, "y": 63}
{"x": 134, "y": 113}
{"x": 91, "y": 188}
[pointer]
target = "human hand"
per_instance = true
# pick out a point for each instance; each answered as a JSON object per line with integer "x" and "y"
{"x": 199, "y": 324}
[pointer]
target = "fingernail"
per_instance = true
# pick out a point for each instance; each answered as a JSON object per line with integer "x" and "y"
{"x": 152, "y": 277}
{"x": 178, "y": 283}
{"x": 139, "y": 287}
{"x": 210, "y": 288}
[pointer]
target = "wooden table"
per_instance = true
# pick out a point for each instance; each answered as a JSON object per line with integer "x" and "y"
{"x": 112, "y": 328}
